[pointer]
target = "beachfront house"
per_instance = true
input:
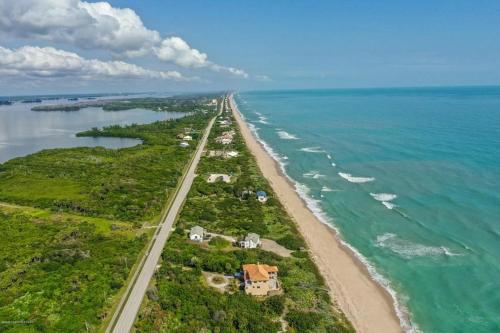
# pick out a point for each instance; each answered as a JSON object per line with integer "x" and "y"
{"x": 184, "y": 144}
{"x": 196, "y": 234}
{"x": 251, "y": 241}
{"x": 260, "y": 279}
{"x": 261, "y": 196}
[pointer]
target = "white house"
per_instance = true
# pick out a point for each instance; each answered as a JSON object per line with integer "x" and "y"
{"x": 251, "y": 241}
{"x": 184, "y": 144}
{"x": 196, "y": 234}
{"x": 187, "y": 138}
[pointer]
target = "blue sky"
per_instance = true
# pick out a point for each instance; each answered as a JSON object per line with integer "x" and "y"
{"x": 273, "y": 45}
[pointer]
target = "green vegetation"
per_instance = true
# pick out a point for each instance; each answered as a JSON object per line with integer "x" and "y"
{"x": 66, "y": 253}
{"x": 59, "y": 271}
{"x": 182, "y": 103}
{"x": 126, "y": 184}
{"x": 185, "y": 303}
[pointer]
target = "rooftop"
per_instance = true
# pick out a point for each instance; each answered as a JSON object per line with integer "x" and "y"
{"x": 258, "y": 272}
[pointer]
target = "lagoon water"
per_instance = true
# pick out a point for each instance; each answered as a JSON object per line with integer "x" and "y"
{"x": 24, "y": 132}
{"x": 411, "y": 179}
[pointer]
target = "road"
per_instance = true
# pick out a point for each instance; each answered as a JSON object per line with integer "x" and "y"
{"x": 124, "y": 317}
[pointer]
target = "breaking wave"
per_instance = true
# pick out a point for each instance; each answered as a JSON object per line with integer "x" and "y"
{"x": 313, "y": 174}
{"x": 350, "y": 178}
{"x": 383, "y": 196}
{"x": 286, "y": 136}
{"x": 326, "y": 189}
{"x": 314, "y": 150}
{"x": 408, "y": 250}
{"x": 263, "y": 120}
{"x": 388, "y": 205}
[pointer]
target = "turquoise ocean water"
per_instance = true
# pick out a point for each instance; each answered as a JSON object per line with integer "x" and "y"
{"x": 411, "y": 179}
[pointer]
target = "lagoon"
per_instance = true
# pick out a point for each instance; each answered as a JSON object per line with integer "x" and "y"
{"x": 24, "y": 132}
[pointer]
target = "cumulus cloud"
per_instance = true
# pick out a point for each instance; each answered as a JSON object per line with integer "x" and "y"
{"x": 99, "y": 26}
{"x": 49, "y": 62}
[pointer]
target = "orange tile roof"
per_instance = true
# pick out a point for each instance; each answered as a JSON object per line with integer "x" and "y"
{"x": 258, "y": 272}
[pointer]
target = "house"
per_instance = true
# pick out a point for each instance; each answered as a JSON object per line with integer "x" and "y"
{"x": 251, "y": 241}
{"x": 261, "y": 196}
{"x": 187, "y": 138}
{"x": 184, "y": 144}
{"x": 214, "y": 177}
{"x": 196, "y": 234}
{"x": 260, "y": 279}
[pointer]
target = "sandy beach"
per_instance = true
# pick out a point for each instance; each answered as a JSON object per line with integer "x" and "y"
{"x": 367, "y": 305}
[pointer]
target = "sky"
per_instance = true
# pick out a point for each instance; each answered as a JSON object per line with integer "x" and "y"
{"x": 69, "y": 46}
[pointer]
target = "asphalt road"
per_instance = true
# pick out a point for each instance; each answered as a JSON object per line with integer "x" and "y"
{"x": 127, "y": 311}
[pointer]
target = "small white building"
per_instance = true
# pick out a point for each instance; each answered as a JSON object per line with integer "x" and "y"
{"x": 187, "y": 138}
{"x": 196, "y": 234}
{"x": 251, "y": 241}
{"x": 184, "y": 144}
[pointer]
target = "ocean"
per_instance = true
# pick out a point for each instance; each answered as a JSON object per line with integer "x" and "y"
{"x": 410, "y": 178}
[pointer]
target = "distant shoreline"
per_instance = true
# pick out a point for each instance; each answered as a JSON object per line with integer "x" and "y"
{"x": 367, "y": 305}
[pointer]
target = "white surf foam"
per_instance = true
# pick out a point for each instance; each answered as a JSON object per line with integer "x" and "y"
{"x": 409, "y": 250}
{"x": 383, "y": 196}
{"x": 350, "y": 178}
{"x": 314, "y": 206}
{"x": 313, "y": 174}
{"x": 326, "y": 189}
{"x": 284, "y": 135}
{"x": 263, "y": 120}
{"x": 314, "y": 150}
{"x": 388, "y": 205}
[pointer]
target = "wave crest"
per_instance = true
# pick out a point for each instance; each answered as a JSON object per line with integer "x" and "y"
{"x": 284, "y": 135}
{"x": 314, "y": 150}
{"x": 350, "y": 178}
{"x": 408, "y": 249}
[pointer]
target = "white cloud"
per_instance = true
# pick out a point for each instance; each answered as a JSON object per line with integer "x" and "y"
{"x": 175, "y": 49}
{"x": 49, "y": 62}
{"x": 99, "y": 26}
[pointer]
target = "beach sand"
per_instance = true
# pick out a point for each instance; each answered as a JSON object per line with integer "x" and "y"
{"x": 365, "y": 303}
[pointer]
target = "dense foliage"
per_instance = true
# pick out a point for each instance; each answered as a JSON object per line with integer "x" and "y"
{"x": 185, "y": 303}
{"x": 66, "y": 253}
{"x": 59, "y": 272}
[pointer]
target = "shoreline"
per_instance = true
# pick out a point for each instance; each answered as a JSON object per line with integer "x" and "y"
{"x": 365, "y": 303}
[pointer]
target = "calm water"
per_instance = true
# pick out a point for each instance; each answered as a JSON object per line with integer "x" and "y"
{"x": 411, "y": 179}
{"x": 24, "y": 132}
